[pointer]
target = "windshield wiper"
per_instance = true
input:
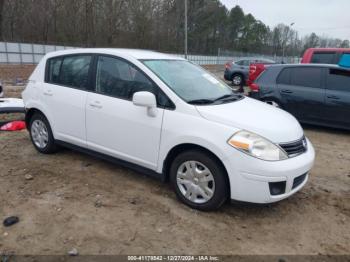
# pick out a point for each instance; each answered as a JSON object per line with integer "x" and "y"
{"x": 201, "y": 101}
{"x": 235, "y": 96}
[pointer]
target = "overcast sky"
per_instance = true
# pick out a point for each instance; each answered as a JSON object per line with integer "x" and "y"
{"x": 324, "y": 17}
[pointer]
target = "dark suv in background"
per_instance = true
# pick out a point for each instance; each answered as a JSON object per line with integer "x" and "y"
{"x": 313, "y": 93}
{"x": 238, "y": 72}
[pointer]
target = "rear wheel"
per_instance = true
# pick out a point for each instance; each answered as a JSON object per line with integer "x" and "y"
{"x": 41, "y": 134}
{"x": 199, "y": 180}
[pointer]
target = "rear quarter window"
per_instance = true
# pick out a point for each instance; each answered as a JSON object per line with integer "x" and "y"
{"x": 284, "y": 77}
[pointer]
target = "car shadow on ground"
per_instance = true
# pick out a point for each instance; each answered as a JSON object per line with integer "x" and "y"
{"x": 327, "y": 130}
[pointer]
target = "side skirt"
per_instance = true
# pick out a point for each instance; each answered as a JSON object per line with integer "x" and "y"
{"x": 113, "y": 160}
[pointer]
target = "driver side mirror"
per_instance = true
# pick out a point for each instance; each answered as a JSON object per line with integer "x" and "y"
{"x": 148, "y": 100}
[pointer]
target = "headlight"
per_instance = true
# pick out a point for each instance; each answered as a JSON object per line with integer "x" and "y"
{"x": 256, "y": 146}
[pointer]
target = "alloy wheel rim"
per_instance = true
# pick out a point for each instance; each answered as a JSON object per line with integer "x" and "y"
{"x": 195, "y": 182}
{"x": 237, "y": 80}
{"x": 39, "y": 134}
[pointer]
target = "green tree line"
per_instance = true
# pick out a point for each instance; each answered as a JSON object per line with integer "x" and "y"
{"x": 150, "y": 24}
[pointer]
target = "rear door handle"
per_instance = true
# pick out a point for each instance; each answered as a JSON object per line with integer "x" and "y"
{"x": 286, "y": 91}
{"x": 333, "y": 97}
{"x": 96, "y": 104}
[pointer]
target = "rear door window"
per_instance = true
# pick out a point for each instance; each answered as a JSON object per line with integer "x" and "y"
{"x": 324, "y": 58}
{"x": 75, "y": 71}
{"x": 70, "y": 71}
{"x": 306, "y": 76}
{"x": 338, "y": 80}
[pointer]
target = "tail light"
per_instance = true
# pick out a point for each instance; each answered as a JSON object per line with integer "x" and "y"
{"x": 228, "y": 65}
{"x": 252, "y": 69}
{"x": 254, "y": 87}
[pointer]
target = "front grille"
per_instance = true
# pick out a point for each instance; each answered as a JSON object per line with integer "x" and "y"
{"x": 298, "y": 181}
{"x": 295, "y": 148}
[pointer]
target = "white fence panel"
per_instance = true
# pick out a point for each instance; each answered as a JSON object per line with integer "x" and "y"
{"x": 24, "y": 53}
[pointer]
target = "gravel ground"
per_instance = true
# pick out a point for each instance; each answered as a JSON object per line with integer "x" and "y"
{"x": 70, "y": 200}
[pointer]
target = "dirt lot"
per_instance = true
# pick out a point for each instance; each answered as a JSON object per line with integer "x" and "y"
{"x": 71, "y": 200}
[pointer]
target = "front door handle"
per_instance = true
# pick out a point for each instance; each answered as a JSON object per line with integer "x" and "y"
{"x": 286, "y": 91}
{"x": 48, "y": 93}
{"x": 333, "y": 97}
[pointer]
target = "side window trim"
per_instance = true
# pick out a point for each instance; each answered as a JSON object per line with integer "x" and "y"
{"x": 94, "y": 78}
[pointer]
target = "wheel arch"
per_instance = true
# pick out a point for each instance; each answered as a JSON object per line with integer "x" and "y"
{"x": 29, "y": 114}
{"x": 176, "y": 150}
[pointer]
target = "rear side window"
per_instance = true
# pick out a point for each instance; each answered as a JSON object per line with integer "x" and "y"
{"x": 338, "y": 80}
{"x": 243, "y": 63}
{"x": 71, "y": 71}
{"x": 284, "y": 77}
{"x": 324, "y": 58}
{"x": 306, "y": 76}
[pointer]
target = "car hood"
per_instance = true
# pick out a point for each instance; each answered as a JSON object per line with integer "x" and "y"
{"x": 260, "y": 118}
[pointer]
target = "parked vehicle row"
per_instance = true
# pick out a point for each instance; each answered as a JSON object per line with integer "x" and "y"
{"x": 167, "y": 117}
{"x": 238, "y": 71}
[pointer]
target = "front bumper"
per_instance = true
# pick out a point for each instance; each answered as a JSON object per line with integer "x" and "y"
{"x": 251, "y": 178}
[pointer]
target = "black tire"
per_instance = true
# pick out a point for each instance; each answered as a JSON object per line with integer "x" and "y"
{"x": 221, "y": 192}
{"x": 235, "y": 78}
{"x": 50, "y": 146}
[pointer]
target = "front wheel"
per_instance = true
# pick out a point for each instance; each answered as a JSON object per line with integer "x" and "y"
{"x": 199, "y": 180}
{"x": 237, "y": 80}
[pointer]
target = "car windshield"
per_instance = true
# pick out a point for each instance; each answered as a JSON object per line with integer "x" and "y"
{"x": 192, "y": 83}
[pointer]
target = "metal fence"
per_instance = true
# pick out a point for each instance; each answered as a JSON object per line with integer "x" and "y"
{"x": 23, "y": 53}
{"x": 20, "y": 53}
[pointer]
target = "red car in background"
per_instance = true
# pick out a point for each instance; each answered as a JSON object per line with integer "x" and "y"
{"x": 324, "y": 55}
{"x": 254, "y": 71}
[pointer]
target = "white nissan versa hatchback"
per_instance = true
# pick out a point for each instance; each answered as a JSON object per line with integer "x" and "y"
{"x": 170, "y": 118}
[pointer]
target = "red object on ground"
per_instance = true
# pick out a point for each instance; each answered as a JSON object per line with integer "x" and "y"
{"x": 14, "y": 126}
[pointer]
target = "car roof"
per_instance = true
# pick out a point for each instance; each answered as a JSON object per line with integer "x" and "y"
{"x": 253, "y": 58}
{"x": 329, "y": 49}
{"x": 310, "y": 65}
{"x": 134, "y": 53}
